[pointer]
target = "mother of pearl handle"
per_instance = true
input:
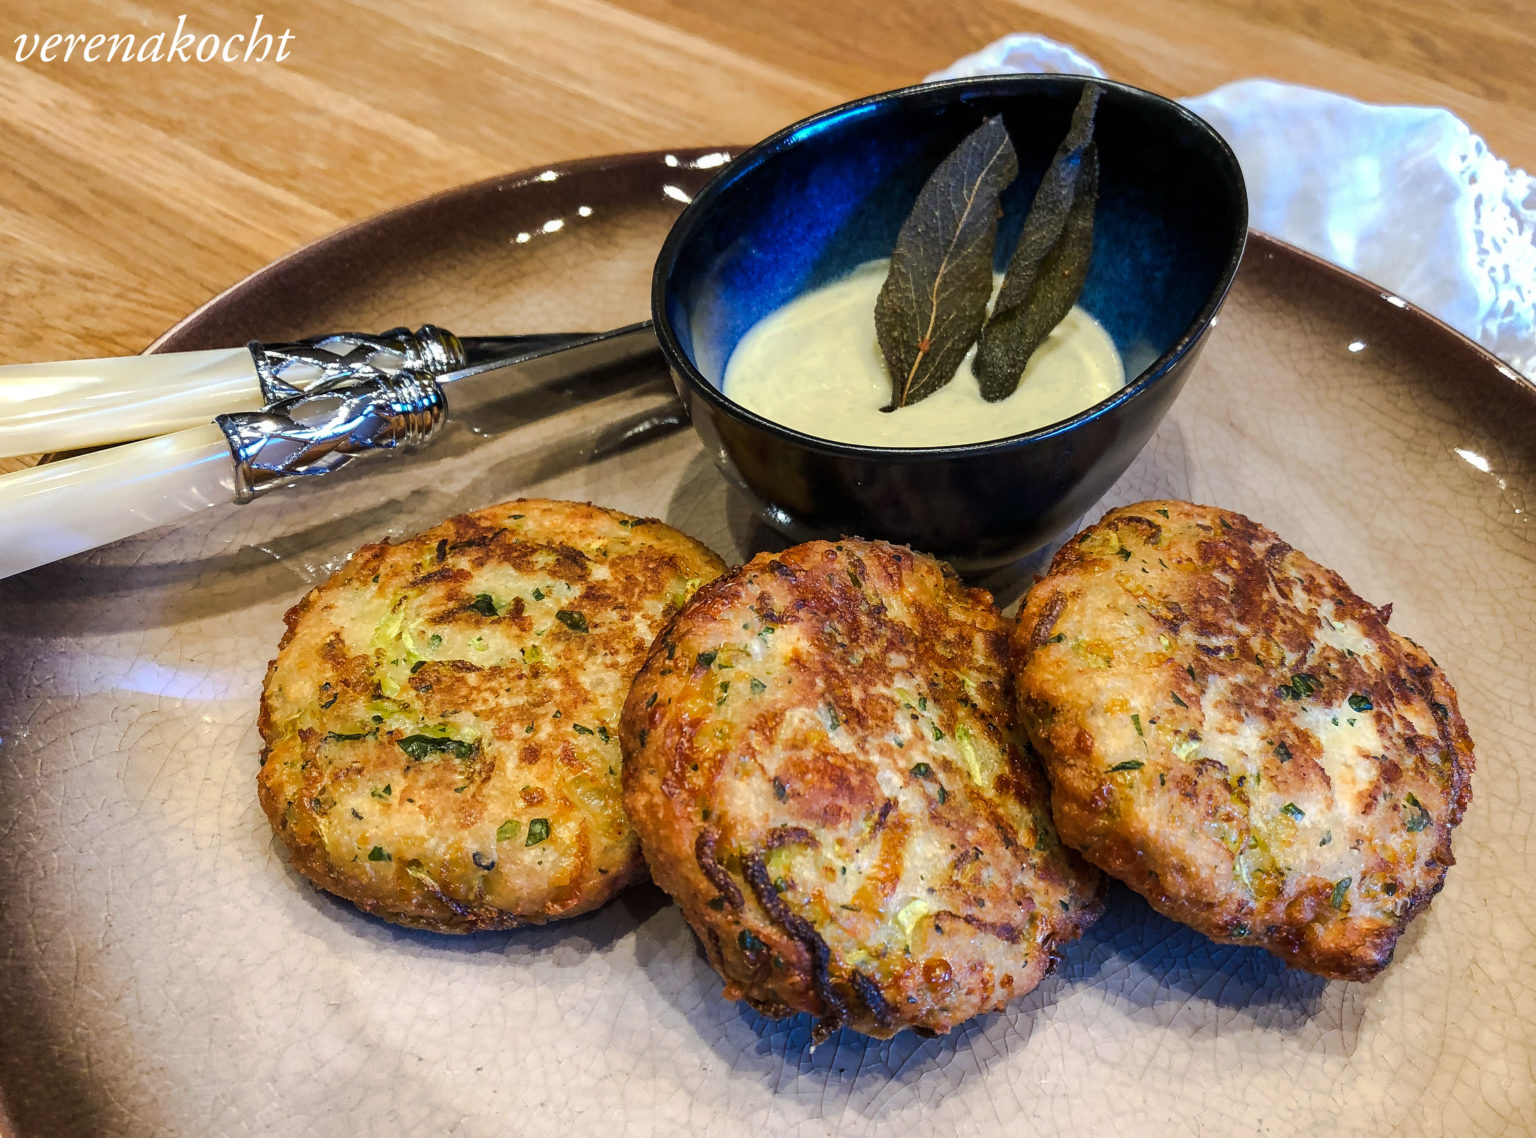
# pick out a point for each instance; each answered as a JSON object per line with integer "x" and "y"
{"x": 82, "y": 403}
{"x": 62, "y": 508}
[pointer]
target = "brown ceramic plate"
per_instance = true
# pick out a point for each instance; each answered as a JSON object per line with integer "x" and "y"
{"x": 167, "y": 974}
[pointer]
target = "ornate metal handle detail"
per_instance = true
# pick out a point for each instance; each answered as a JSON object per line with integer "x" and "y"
{"x": 332, "y": 424}
{"x": 346, "y": 359}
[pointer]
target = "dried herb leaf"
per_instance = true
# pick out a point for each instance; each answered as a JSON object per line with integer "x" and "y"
{"x": 575, "y": 621}
{"x": 1050, "y": 264}
{"x": 934, "y": 300}
{"x": 421, "y": 747}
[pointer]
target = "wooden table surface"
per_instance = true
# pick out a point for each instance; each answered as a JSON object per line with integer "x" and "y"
{"x": 135, "y": 191}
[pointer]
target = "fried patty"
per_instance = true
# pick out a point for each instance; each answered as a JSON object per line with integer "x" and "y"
{"x": 1237, "y": 736}
{"x": 823, "y": 763}
{"x": 441, "y": 720}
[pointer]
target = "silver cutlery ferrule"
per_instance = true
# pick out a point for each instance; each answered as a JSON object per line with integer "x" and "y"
{"x": 323, "y": 429}
{"x": 345, "y": 359}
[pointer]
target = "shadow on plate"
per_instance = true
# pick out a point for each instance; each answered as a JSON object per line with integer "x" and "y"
{"x": 34, "y": 1037}
{"x": 866, "y": 1070}
{"x": 1133, "y": 957}
{"x": 1151, "y": 962}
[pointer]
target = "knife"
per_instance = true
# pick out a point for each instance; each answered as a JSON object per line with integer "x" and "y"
{"x": 335, "y": 404}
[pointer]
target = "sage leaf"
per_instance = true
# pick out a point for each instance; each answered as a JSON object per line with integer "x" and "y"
{"x": 934, "y": 299}
{"x": 1049, "y": 265}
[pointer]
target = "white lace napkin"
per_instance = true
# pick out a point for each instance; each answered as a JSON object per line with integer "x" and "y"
{"x": 1407, "y": 197}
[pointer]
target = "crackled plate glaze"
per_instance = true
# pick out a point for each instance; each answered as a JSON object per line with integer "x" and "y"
{"x": 165, "y": 973}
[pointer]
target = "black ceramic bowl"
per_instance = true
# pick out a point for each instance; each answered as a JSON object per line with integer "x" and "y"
{"x": 814, "y": 201}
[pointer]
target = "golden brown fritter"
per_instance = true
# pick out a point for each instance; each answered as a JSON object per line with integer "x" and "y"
{"x": 441, "y": 720}
{"x": 1237, "y": 736}
{"x": 823, "y": 764}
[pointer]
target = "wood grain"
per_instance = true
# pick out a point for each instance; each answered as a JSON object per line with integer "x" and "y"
{"x": 136, "y": 191}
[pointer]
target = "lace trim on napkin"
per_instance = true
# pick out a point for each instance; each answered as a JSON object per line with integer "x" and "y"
{"x": 1503, "y": 205}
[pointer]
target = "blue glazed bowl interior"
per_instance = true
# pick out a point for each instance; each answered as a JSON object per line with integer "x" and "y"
{"x": 811, "y": 204}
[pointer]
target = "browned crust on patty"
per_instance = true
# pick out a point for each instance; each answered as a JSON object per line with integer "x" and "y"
{"x": 1234, "y": 733}
{"x": 824, "y": 766}
{"x": 441, "y": 718}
